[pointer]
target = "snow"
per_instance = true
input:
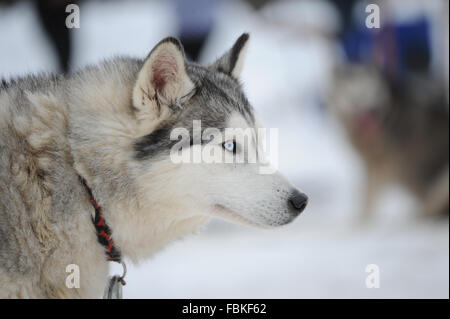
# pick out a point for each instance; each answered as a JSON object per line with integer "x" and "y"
{"x": 324, "y": 253}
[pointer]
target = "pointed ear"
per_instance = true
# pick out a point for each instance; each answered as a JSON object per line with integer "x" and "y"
{"x": 162, "y": 81}
{"x": 231, "y": 62}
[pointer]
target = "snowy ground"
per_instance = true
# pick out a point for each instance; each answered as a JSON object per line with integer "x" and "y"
{"x": 325, "y": 252}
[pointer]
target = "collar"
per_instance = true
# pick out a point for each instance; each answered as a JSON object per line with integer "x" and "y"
{"x": 113, "y": 289}
{"x": 102, "y": 229}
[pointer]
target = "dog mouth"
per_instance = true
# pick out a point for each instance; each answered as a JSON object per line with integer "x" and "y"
{"x": 230, "y": 215}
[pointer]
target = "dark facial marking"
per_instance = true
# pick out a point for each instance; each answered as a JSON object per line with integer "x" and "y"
{"x": 216, "y": 97}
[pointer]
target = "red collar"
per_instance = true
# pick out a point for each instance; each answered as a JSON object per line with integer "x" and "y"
{"x": 102, "y": 229}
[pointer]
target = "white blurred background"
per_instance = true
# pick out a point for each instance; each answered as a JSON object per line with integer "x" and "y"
{"x": 324, "y": 253}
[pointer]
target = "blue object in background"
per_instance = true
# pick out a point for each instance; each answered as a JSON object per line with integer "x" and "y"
{"x": 397, "y": 48}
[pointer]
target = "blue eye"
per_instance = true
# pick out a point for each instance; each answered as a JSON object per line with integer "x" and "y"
{"x": 230, "y": 146}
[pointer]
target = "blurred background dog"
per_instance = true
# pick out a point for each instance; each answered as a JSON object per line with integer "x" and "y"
{"x": 394, "y": 106}
{"x": 400, "y": 129}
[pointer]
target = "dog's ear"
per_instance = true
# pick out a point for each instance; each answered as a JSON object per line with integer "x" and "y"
{"x": 231, "y": 62}
{"x": 162, "y": 81}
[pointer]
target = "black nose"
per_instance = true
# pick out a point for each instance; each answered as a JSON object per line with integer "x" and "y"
{"x": 298, "y": 201}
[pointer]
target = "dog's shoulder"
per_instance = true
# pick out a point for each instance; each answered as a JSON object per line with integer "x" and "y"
{"x": 33, "y": 125}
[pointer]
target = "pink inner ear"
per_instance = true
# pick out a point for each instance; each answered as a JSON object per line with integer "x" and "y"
{"x": 164, "y": 69}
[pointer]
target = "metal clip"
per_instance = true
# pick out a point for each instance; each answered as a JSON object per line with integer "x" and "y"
{"x": 114, "y": 288}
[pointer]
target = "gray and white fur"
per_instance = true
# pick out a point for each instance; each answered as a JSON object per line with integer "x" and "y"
{"x": 110, "y": 124}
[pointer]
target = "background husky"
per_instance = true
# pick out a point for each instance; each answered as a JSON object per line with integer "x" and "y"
{"x": 110, "y": 124}
{"x": 400, "y": 128}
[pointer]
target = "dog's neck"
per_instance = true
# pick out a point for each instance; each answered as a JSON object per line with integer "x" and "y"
{"x": 139, "y": 229}
{"x": 142, "y": 231}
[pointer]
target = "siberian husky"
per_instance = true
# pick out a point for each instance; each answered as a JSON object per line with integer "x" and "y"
{"x": 87, "y": 173}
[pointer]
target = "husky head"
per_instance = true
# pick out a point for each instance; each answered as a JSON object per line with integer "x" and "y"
{"x": 171, "y": 93}
{"x": 167, "y": 93}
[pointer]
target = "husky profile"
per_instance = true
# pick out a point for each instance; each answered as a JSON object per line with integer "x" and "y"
{"x": 85, "y": 167}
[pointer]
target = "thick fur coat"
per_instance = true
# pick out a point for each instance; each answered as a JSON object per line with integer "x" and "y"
{"x": 110, "y": 125}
